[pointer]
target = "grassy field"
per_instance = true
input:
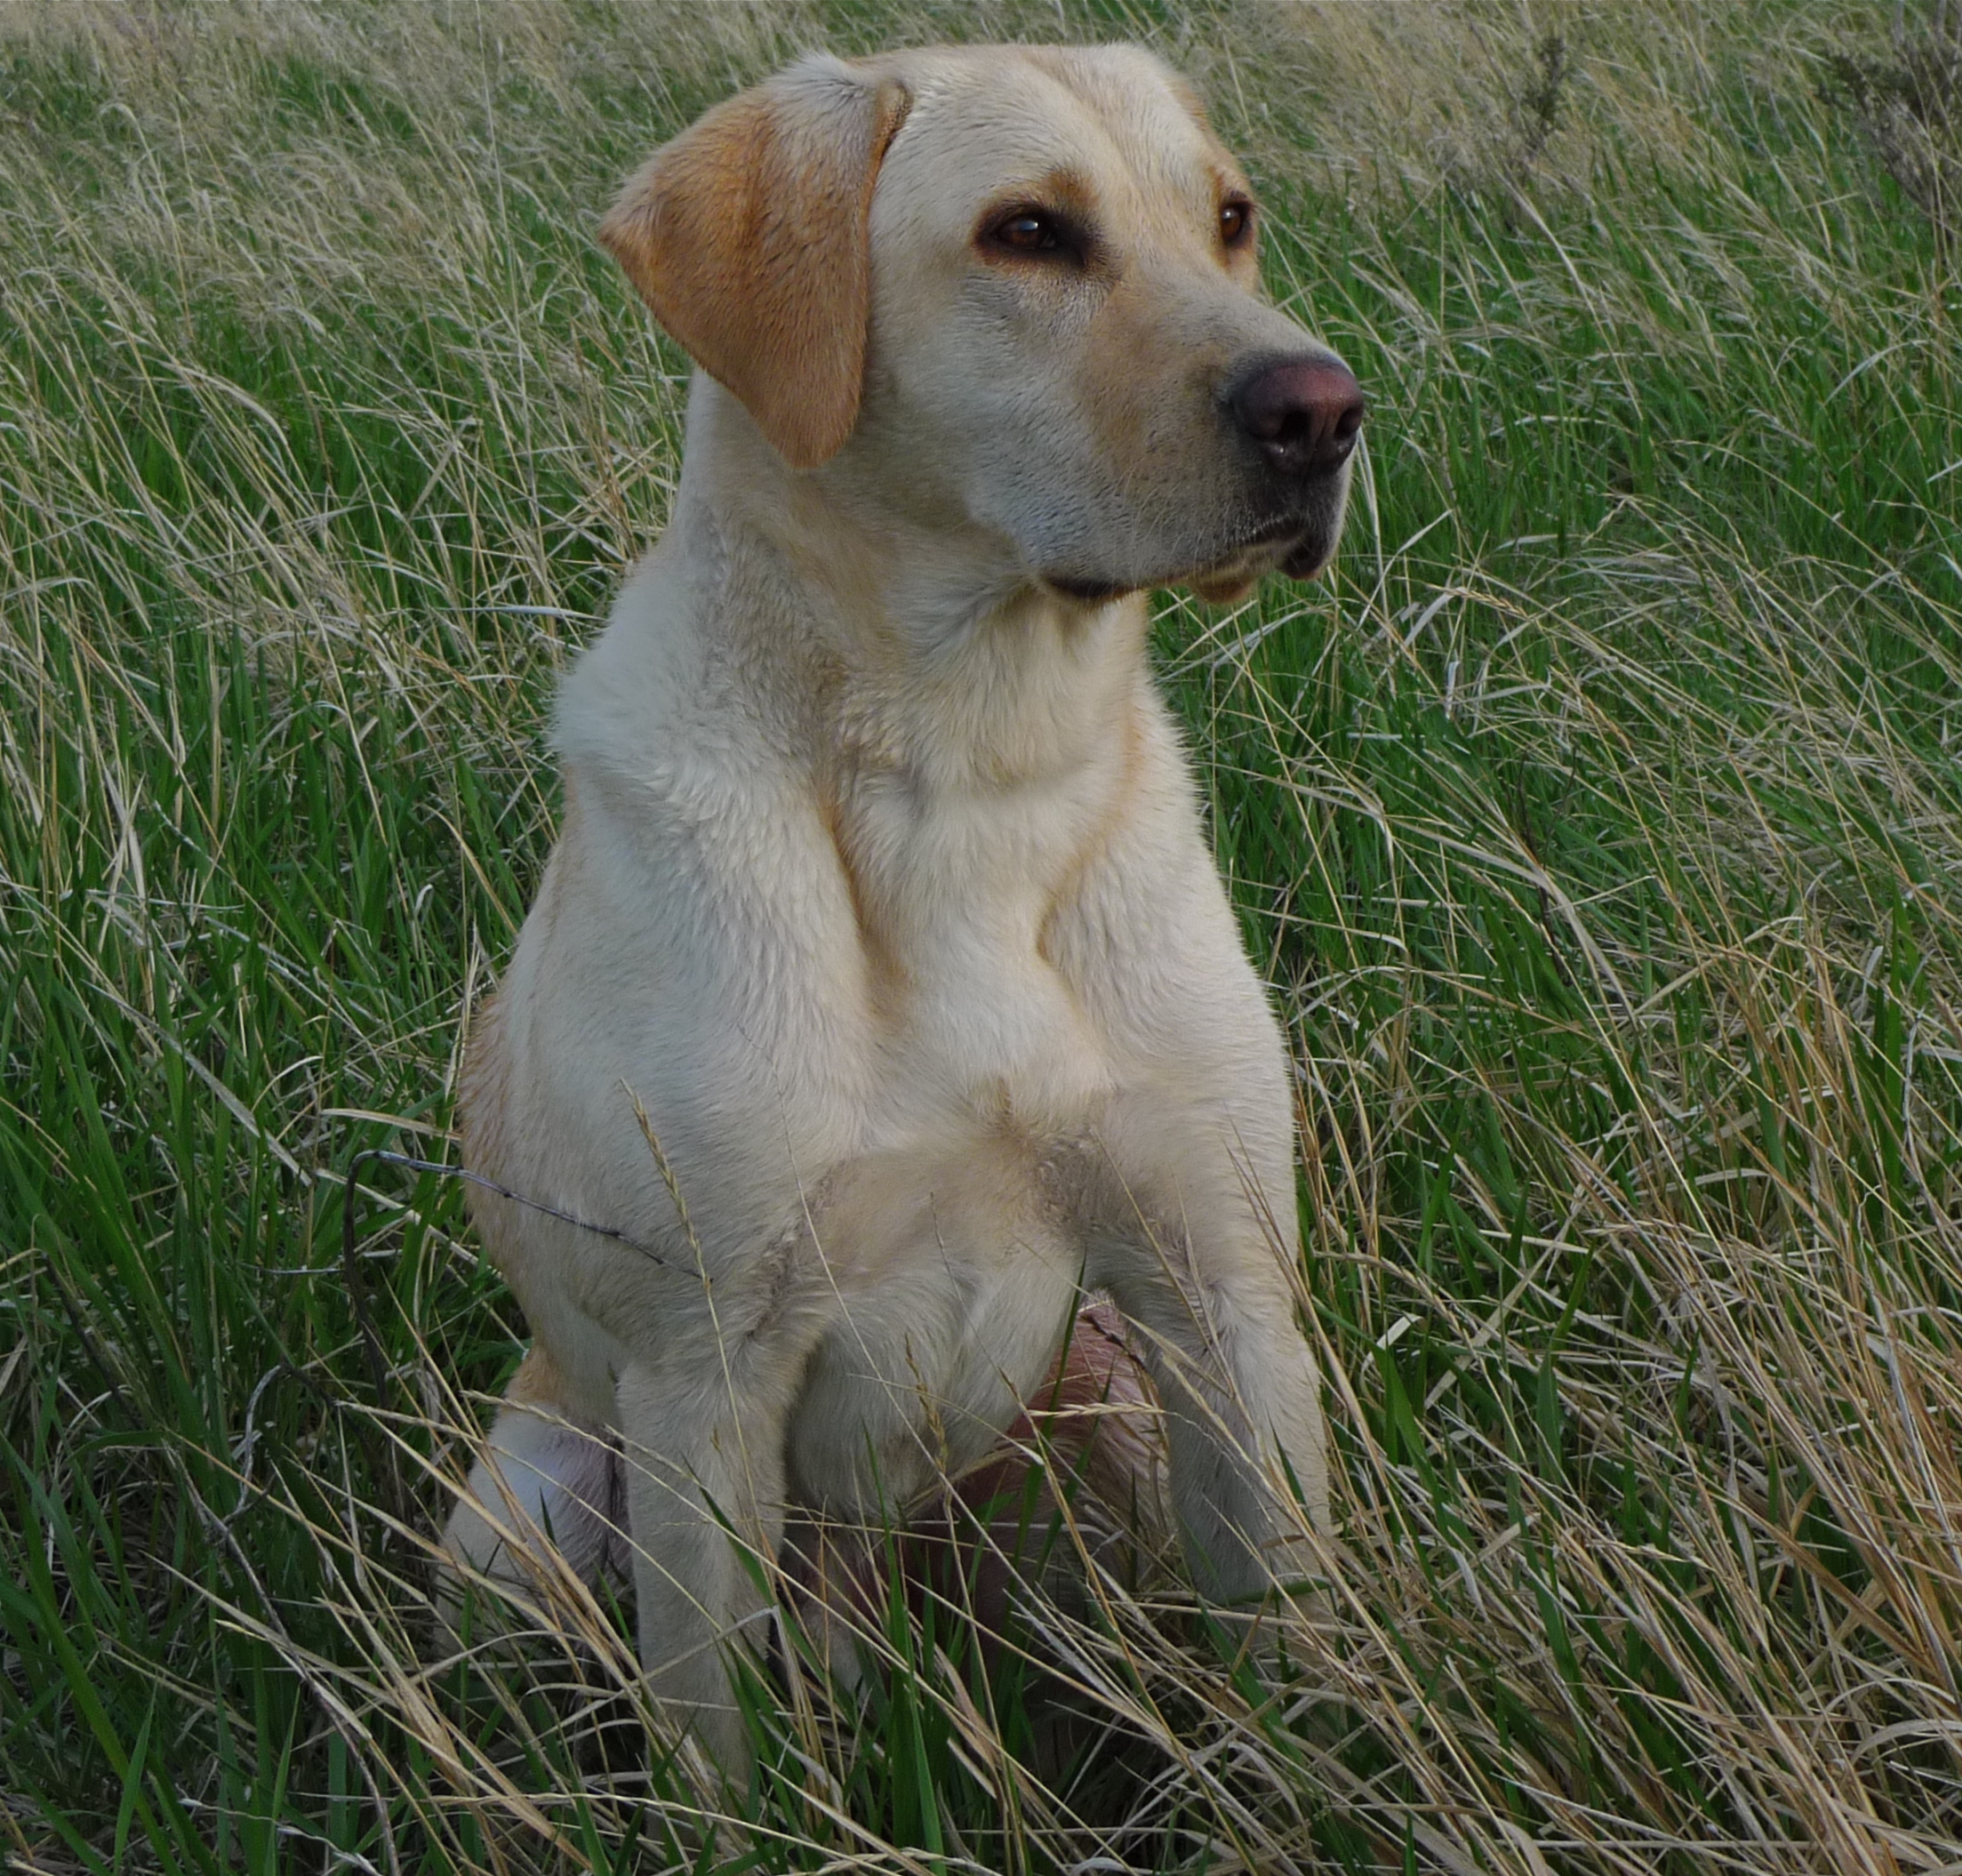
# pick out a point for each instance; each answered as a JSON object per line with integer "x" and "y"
{"x": 1599, "y": 825}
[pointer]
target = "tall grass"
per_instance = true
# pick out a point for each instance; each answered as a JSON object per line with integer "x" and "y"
{"x": 1599, "y": 825}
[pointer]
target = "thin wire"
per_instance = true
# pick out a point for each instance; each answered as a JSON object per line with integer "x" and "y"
{"x": 488, "y": 1185}
{"x": 350, "y": 1263}
{"x": 380, "y": 1370}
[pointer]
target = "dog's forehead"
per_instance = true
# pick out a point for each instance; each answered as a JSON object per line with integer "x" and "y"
{"x": 989, "y": 120}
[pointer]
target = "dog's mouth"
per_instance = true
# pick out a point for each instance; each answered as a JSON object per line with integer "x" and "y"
{"x": 1298, "y": 544}
{"x": 1087, "y": 591}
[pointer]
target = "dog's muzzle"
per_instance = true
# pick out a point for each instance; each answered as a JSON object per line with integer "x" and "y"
{"x": 1300, "y": 419}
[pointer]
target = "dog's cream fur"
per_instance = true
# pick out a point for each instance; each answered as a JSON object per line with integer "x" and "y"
{"x": 881, "y": 988}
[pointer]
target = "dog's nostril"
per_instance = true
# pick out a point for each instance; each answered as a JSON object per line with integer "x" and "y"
{"x": 1304, "y": 414}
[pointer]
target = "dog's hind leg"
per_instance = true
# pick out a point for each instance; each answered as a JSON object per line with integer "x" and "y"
{"x": 547, "y": 1480}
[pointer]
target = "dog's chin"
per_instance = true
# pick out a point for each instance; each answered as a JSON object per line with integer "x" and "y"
{"x": 1218, "y": 589}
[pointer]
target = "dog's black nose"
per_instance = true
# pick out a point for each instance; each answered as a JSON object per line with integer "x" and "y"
{"x": 1303, "y": 413}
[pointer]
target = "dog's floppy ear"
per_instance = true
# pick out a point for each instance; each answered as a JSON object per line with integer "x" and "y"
{"x": 747, "y": 236}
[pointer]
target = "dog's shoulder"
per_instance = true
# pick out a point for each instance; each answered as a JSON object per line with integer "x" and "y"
{"x": 663, "y": 704}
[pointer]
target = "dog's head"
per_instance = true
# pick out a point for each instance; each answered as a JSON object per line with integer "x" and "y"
{"x": 1013, "y": 286}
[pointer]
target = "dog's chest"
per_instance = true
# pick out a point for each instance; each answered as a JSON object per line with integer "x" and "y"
{"x": 952, "y": 889}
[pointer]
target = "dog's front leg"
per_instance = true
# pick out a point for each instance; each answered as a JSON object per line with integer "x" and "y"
{"x": 1198, "y": 1252}
{"x": 703, "y": 1454}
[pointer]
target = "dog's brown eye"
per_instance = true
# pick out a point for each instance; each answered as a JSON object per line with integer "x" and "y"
{"x": 1236, "y": 221}
{"x": 1028, "y": 231}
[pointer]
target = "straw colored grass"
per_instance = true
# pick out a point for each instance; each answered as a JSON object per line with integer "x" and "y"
{"x": 1599, "y": 825}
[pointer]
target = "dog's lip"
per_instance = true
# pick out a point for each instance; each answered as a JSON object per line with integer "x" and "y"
{"x": 1282, "y": 528}
{"x": 1251, "y": 555}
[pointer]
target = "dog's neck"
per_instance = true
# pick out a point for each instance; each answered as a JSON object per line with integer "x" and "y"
{"x": 945, "y": 659}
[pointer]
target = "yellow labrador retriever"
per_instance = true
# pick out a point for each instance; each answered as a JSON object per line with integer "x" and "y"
{"x": 881, "y": 997}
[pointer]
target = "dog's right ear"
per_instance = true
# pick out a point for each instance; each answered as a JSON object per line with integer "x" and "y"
{"x": 747, "y": 236}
